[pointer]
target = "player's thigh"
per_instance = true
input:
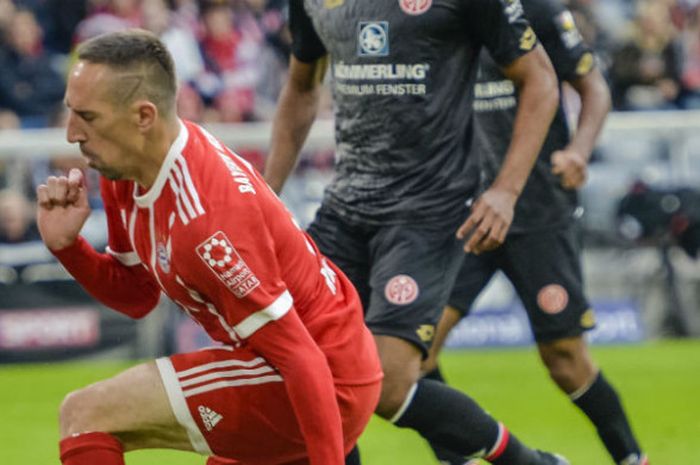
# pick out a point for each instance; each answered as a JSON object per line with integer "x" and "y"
{"x": 345, "y": 245}
{"x": 413, "y": 268}
{"x": 474, "y": 274}
{"x": 545, "y": 269}
{"x": 132, "y": 405}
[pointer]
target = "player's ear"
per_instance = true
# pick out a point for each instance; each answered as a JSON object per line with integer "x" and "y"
{"x": 145, "y": 114}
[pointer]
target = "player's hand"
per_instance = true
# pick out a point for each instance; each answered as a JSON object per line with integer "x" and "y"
{"x": 62, "y": 209}
{"x": 571, "y": 167}
{"x": 489, "y": 221}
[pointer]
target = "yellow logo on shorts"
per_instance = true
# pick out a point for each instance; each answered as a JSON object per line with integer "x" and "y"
{"x": 426, "y": 332}
{"x": 528, "y": 39}
{"x": 588, "y": 319}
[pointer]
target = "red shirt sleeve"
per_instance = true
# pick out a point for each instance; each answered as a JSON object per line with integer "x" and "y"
{"x": 229, "y": 258}
{"x": 115, "y": 278}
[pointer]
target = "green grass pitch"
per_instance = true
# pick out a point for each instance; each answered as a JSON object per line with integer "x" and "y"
{"x": 659, "y": 381}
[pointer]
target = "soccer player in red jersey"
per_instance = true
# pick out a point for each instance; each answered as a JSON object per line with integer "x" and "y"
{"x": 297, "y": 376}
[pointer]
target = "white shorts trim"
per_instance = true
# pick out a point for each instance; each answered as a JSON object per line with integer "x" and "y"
{"x": 179, "y": 406}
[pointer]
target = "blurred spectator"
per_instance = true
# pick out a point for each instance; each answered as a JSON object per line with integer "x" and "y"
{"x": 108, "y": 16}
{"x": 647, "y": 66}
{"x": 29, "y": 85}
{"x": 230, "y": 46}
{"x": 272, "y": 54}
{"x": 186, "y": 15}
{"x": 690, "y": 77}
{"x": 8, "y": 120}
{"x": 7, "y": 12}
{"x": 181, "y": 41}
{"x": 20, "y": 242}
{"x": 63, "y": 19}
{"x": 16, "y": 218}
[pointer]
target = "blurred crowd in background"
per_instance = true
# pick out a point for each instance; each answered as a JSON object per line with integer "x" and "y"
{"x": 231, "y": 58}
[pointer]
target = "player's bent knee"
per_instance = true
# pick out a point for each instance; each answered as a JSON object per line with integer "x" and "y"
{"x": 568, "y": 363}
{"x": 394, "y": 393}
{"x": 75, "y": 413}
{"x": 401, "y": 362}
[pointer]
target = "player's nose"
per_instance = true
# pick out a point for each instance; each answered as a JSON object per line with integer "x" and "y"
{"x": 74, "y": 133}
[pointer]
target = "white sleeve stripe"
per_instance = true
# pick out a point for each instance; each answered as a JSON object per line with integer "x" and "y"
{"x": 125, "y": 258}
{"x": 272, "y": 312}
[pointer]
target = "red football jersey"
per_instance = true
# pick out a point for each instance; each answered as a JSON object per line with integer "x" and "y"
{"x": 216, "y": 239}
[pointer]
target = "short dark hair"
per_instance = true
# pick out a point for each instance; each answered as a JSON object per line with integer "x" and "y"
{"x": 143, "y": 64}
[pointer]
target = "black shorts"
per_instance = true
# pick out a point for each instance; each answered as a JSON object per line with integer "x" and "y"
{"x": 402, "y": 272}
{"x": 545, "y": 269}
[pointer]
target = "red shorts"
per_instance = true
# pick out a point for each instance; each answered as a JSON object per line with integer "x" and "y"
{"x": 234, "y": 405}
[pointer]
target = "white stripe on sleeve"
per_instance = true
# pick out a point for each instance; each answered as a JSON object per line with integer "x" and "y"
{"x": 272, "y": 312}
{"x": 125, "y": 258}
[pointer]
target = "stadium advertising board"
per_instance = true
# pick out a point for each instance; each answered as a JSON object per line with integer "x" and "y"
{"x": 617, "y": 322}
{"x": 49, "y": 328}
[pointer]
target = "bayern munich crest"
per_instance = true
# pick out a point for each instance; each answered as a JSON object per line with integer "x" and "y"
{"x": 552, "y": 299}
{"x": 415, "y": 7}
{"x": 163, "y": 257}
{"x": 401, "y": 290}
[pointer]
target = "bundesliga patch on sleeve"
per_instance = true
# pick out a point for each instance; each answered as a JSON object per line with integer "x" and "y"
{"x": 223, "y": 259}
{"x": 513, "y": 9}
{"x": 567, "y": 29}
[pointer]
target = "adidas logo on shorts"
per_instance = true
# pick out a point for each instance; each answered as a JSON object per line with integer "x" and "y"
{"x": 209, "y": 417}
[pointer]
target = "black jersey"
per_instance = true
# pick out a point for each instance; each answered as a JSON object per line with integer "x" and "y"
{"x": 544, "y": 202}
{"x": 402, "y": 76}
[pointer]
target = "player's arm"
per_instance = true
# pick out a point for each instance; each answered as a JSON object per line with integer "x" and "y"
{"x": 287, "y": 345}
{"x": 571, "y": 163}
{"x": 575, "y": 63}
{"x": 513, "y": 44}
{"x": 538, "y": 99}
{"x": 62, "y": 211}
{"x": 261, "y": 312}
{"x": 298, "y": 101}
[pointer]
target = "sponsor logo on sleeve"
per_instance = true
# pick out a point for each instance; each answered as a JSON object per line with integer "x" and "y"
{"x": 552, "y": 299}
{"x": 401, "y": 290}
{"x": 223, "y": 259}
{"x": 585, "y": 64}
{"x": 528, "y": 39}
{"x": 415, "y": 7}
{"x": 373, "y": 38}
